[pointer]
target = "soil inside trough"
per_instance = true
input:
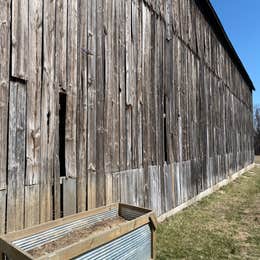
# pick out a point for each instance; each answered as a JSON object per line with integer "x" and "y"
{"x": 75, "y": 236}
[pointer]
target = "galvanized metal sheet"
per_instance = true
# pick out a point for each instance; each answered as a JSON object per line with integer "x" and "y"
{"x": 53, "y": 234}
{"x": 134, "y": 245}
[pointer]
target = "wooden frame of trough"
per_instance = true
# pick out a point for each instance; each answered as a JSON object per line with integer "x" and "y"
{"x": 7, "y": 248}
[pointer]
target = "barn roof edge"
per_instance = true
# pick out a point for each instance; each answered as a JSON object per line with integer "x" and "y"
{"x": 209, "y": 12}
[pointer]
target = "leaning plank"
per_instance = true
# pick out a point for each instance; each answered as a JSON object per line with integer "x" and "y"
{"x": 20, "y": 39}
{"x": 4, "y": 86}
{"x": 16, "y": 157}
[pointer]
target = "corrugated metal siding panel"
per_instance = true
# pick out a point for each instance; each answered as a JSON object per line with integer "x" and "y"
{"x": 134, "y": 245}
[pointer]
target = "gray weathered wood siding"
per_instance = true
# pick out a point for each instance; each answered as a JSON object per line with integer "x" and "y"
{"x": 108, "y": 100}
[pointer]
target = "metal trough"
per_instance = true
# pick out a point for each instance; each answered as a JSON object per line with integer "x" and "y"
{"x": 133, "y": 238}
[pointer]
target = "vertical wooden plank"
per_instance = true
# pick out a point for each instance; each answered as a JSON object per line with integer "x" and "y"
{"x": 71, "y": 90}
{"x": 116, "y": 188}
{"x": 108, "y": 10}
{"x": 60, "y": 91}
{"x": 91, "y": 104}
{"x": 100, "y": 98}
{"x": 122, "y": 87}
{"x": 4, "y": 86}
{"x": 159, "y": 93}
{"x": 82, "y": 109}
{"x": 130, "y": 84}
{"x": 152, "y": 92}
{"x": 33, "y": 151}
{"x": 2, "y": 211}
{"x": 168, "y": 86}
{"x": 154, "y": 186}
{"x": 129, "y": 52}
{"x": 168, "y": 19}
{"x": 111, "y": 156}
{"x": 69, "y": 196}
{"x": 146, "y": 71}
{"x": 134, "y": 82}
{"x": 31, "y": 210}
{"x": 139, "y": 93}
{"x": 56, "y": 191}
{"x": 34, "y": 94}
{"x": 61, "y": 44}
{"x": 20, "y": 42}
{"x": 16, "y": 157}
{"x": 48, "y": 111}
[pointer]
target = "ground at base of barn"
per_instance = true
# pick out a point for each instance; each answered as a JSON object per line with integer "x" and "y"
{"x": 225, "y": 225}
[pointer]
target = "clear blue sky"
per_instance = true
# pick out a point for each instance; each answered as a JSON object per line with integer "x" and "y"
{"x": 241, "y": 20}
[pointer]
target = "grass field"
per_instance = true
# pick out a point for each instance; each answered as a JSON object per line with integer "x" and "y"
{"x": 225, "y": 225}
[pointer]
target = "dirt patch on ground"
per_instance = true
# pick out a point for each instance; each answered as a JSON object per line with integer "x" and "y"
{"x": 75, "y": 236}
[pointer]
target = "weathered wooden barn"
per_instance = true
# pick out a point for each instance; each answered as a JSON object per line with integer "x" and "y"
{"x": 139, "y": 101}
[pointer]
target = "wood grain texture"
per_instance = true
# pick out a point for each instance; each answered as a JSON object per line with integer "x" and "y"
{"x": 100, "y": 104}
{"x": 82, "y": 108}
{"x": 71, "y": 90}
{"x": 91, "y": 59}
{"x": 69, "y": 196}
{"x": 48, "y": 111}
{"x": 136, "y": 101}
{"x": 20, "y": 39}
{"x": 33, "y": 114}
{"x": 16, "y": 157}
{"x": 2, "y": 211}
{"x": 32, "y": 205}
{"x": 4, "y": 86}
{"x": 61, "y": 43}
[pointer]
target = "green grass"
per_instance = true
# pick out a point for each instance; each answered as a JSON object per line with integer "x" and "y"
{"x": 225, "y": 225}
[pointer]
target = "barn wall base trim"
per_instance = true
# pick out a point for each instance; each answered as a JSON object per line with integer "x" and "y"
{"x": 205, "y": 193}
